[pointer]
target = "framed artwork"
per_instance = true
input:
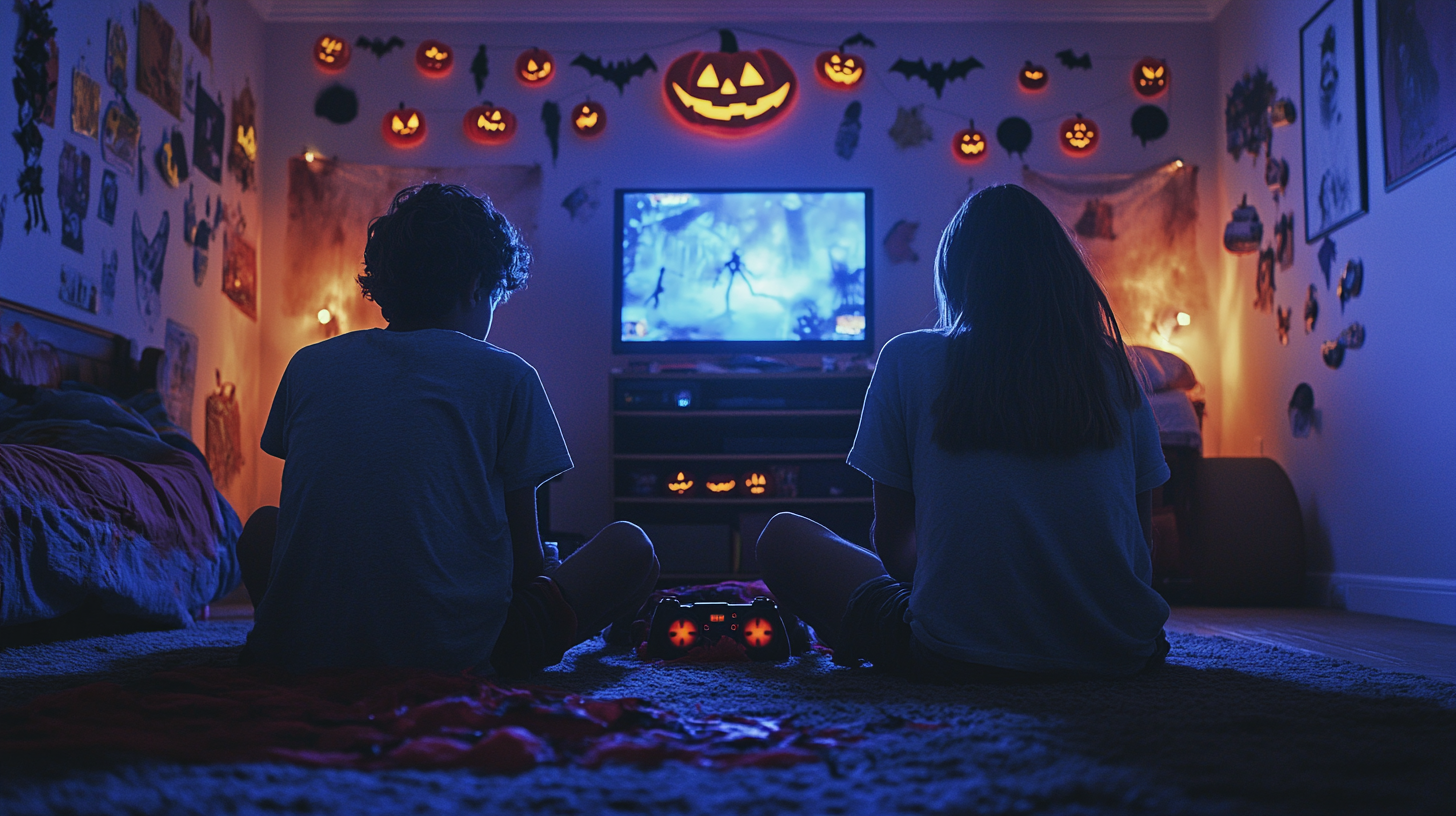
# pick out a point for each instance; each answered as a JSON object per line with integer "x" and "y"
{"x": 1417, "y": 85}
{"x": 1332, "y": 104}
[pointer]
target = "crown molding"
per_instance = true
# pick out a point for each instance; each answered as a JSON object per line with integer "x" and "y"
{"x": 739, "y": 11}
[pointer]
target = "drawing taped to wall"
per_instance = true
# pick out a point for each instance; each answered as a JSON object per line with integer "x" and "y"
{"x": 116, "y": 56}
{"x": 240, "y": 265}
{"x": 106, "y": 205}
{"x": 77, "y": 290}
{"x": 120, "y": 137}
{"x": 224, "y": 432}
{"x": 207, "y": 133}
{"x": 178, "y": 378}
{"x": 110, "y": 261}
{"x": 148, "y": 258}
{"x": 243, "y": 155}
{"x": 73, "y": 188}
{"x": 158, "y": 60}
{"x": 1332, "y": 88}
{"x": 85, "y": 104}
{"x": 1417, "y": 85}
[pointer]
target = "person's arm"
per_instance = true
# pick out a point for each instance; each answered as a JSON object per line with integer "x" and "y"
{"x": 1145, "y": 515}
{"x": 529, "y": 560}
{"x": 893, "y": 532}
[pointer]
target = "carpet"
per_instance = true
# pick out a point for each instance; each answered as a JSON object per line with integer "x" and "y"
{"x": 1226, "y": 727}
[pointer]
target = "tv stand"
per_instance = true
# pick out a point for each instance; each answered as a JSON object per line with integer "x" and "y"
{"x": 702, "y": 460}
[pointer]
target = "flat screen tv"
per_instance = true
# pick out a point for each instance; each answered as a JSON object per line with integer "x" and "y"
{"x": 743, "y": 271}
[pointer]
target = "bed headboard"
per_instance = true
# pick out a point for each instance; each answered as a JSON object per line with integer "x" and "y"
{"x": 37, "y": 348}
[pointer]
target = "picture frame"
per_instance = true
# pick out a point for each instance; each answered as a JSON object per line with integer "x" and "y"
{"x": 1417, "y": 58}
{"x": 1332, "y": 108}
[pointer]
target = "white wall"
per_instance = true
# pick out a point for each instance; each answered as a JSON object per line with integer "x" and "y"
{"x": 562, "y": 323}
{"x": 30, "y": 264}
{"x": 1378, "y": 481}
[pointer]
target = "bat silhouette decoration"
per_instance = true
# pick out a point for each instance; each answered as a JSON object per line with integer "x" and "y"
{"x": 618, "y": 73}
{"x": 1071, "y": 60}
{"x": 378, "y": 46}
{"x": 857, "y": 39}
{"x": 937, "y": 74}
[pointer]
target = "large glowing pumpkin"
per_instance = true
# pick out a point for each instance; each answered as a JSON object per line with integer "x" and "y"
{"x": 535, "y": 66}
{"x": 1032, "y": 77}
{"x": 969, "y": 145}
{"x": 730, "y": 92}
{"x": 487, "y": 124}
{"x": 681, "y": 483}
{"x": 589, "y": 118}
{"x": 404, "y": 127}
{"x": 434, "y": 58}
{"x": 1150, "y": 77}
{"x": 331, "y": 53}
{"x": 1079, "y": 135}
{"x": 838, "y": 70}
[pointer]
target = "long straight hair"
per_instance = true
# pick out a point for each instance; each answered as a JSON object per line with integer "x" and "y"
{"x": 1032, "y": 336}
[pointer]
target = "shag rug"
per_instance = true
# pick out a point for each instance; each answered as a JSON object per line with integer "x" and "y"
{"x": 1226, "y": 727}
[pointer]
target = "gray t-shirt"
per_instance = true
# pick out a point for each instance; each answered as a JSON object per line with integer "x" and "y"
{"x": 1030, "y": 563}
{"x": 393, "y": 546}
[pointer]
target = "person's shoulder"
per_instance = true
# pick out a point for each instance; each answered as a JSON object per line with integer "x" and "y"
{"x": 911, "y": 348}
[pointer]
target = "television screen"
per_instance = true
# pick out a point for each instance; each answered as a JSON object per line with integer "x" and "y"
{"x": 742, "y": 270}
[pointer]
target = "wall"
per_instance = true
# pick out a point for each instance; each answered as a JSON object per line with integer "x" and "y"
{"x": 30, "y": 264}
{"x": 562, "y": 322}
{"x": 1377, "y": 481}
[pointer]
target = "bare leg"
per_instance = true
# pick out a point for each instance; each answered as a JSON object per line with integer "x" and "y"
{"x": 255, "y": 551}
{"x": 594, "y": 578}
{"x": 813, "y": 572}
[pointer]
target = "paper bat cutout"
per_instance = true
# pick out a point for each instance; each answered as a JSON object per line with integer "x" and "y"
{"x": 858, "y": 39}
{"x": 937, "y": 74}
{"x": 551, "y": 117}
{"x": 617, "y": 73}
{"x": 1071, "y": 60}
{"x": 379, "y": 46}
{"x": 480, "y": 69}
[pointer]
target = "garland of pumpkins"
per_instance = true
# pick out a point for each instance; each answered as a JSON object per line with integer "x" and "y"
{"x": 728, "y": 92}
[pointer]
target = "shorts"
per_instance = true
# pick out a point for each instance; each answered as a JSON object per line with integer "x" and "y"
{"x": 540, "y": 626}
{"x": 875, "y": 629}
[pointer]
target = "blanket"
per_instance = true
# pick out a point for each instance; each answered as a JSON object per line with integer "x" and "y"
{"x": 99, "y": 511}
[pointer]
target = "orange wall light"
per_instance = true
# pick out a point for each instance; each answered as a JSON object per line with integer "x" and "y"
{"x": 489, "y": 125}
{"x": 434, "y": 58}
{"x": 840, "y": 71}
{"x": 969, "y": 145}
{"x": 589, "y": 118}
{"x": 331, "y": 53}
{"x": 1079, "y": 135}
{"x": 535, "y": 67}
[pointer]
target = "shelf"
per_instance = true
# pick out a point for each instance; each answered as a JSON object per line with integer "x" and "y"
{"x": 743, "y": 412}
{"x": 704, "y": 500}
{"x": 731, "y": 457}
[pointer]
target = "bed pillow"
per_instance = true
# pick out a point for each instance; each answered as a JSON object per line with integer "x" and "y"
{"x": 1159, "y": 370}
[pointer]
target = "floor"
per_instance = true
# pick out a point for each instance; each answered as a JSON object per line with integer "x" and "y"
{"x": 1393, "y": 644}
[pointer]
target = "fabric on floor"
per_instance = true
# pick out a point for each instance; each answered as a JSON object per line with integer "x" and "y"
{"x": 1226, "y": 727}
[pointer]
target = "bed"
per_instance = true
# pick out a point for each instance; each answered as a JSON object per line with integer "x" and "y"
{"x": 109, "y": 519}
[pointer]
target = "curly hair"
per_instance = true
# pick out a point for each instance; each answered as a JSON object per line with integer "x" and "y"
{"x": 432, "y": 245}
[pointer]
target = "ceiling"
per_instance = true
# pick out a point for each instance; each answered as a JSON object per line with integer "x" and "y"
{"x": 706, "y": 12}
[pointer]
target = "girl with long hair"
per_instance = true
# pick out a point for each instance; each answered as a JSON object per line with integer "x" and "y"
{"x": 1013, "y": 456}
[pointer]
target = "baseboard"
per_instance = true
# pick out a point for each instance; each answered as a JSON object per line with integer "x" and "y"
{"x": 1424, "y": 599}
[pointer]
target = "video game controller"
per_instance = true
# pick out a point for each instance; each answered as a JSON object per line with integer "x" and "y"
{"x": 678, "y": 627}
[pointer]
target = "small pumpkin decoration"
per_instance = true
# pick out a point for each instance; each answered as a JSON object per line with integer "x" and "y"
{"x": 589, "y": 118}
{"x": 434, "y": 58}
{"x": 839, "y": 70}
{"x": 404, "y": 127}
{"x": 721, "y": 483}
{"x": 681, "y": 483}
{"x": 969, "y": 145}
{"x": 757, "y": 483}
{"x": 488, "y": 125}
{"x": 1150, "y": 77}
{"x": 730, "y": 92}
{"x": 331, "y": 53}
{"x": 1079, "y": 135}
{"x": 535, "y": 66}
{"x": 1032, "y": 77}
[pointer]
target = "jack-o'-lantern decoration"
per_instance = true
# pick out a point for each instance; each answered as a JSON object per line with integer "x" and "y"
{"x": 1079, "y": 135}
{"x": 839, "y": 70}
{"x": 535, "y": 66}
{"x": 969, "y": 145}
{"x": 589, "y": 118}
{"x": 1032, "y": 77}
{"x": 487, "y": 124}
{"x": 682, "y": 633}
{"x": 434, "y": 58}
{"x": 1150, "y": 77}
{"x": 331, "y": 53}
{"x": 730, "y": 92}
{"x": 681, "y": 483}
{"x": 757, "y": 483}
{"x": 758, "y": 633}
{"x": 720, "y": 484}
{"x": 404, "y": 127}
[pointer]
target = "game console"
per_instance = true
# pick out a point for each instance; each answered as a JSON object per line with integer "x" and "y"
{"x": 679, "y": 627}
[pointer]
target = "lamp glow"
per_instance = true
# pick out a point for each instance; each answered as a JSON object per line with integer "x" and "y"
{"x": 324, "y": 317}
{"x": 308, "y": 156}
{"x": 1184, "y": 318}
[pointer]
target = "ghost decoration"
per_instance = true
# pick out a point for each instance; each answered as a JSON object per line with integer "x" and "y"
{"x": 1302, "y": 416}
{"x": 846, "y": 139}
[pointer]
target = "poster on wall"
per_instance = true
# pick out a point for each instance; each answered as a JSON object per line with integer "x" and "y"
{"x": 244, "y": 150}
{"x": 1332, "y": 101}
{"x": 73, "y": 188}
{"x": 207, "y": 136}
{"x": 240, "y": 265}
{"x": 1417, "y": 85}
{"x": 158, "y": 60}
{"x": 179, "y": 374}
{"x": 85, "y": 104}
{"x": 120, "y": 135}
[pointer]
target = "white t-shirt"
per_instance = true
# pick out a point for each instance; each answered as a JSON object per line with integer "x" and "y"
{"x": 1030, "y": 563}
{"x": 393, "y": 546}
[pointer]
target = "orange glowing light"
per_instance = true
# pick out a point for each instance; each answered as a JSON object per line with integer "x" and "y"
{"x": 682, "y": 633}
{"x": 534, "y": 66}
{"x": 716, "y": 618}
{"x": 758, "y": 633}
{"x": 331, "y": 53}
{"x": 755, "y": 484}
{"x": 681, "y": 483}
{"x": 721, "y": 484}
